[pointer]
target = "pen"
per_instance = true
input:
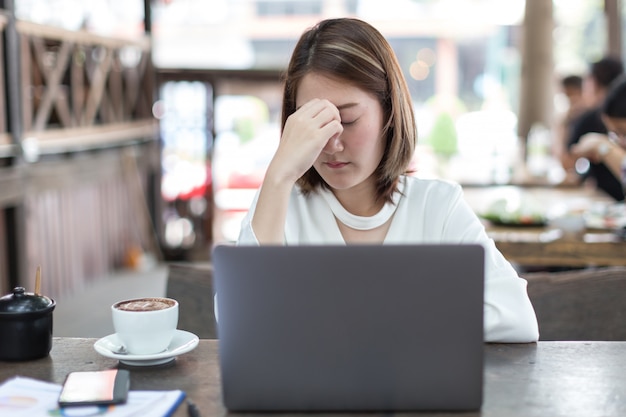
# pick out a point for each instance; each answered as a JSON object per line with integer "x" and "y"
{"x": 192, "y": 410}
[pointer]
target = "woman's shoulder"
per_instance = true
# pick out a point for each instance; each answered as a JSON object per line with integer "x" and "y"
{"x": 416, "y": 185}
{"x": 435, "y": 193}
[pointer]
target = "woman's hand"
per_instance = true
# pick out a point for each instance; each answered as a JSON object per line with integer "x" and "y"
{"x": 305, "y": 134}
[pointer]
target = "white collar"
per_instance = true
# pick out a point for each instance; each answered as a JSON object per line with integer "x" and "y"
{"x": 362, "y": 222}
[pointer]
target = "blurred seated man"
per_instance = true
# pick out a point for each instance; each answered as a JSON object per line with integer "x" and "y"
{"x": 572, "y": 88}
{"x": 609, "y": 149}
{"x": 596, "y": 83}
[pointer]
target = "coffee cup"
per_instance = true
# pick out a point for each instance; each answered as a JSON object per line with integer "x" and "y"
{"x": 145, "y": 325}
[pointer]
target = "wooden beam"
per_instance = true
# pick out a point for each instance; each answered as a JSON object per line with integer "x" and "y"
{"x": 13, "y": 73}
{"x": 26, "y": 61}
{"x": 81, "y": 138}
{"x": 537, "y": 90}
{"x": 80, "y": 37}
{"x": 612, "y": 11}
{"x": 52, "y": 94}
{"x": 98, "y": 90}
{"x": 77, "y": 83}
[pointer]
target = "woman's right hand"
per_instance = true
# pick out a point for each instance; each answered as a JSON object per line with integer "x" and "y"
{"x": 305, "y": 134}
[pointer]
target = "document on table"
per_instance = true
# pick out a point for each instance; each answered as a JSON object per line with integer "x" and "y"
{"x": 27, "y": 397}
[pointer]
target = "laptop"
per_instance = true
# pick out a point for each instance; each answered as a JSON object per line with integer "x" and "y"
{"x": 351, "y": 327}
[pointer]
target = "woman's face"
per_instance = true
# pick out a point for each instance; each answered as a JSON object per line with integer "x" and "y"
{"x": 351, "y": 158}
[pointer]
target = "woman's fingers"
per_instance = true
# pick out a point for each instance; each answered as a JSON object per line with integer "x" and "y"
{"x": 305, "y": 134}
{"x": 314, "y": 115}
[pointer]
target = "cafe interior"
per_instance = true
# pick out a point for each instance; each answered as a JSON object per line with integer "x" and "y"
{"x": 134, "y": 135}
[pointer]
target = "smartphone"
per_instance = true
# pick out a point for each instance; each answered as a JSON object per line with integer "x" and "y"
{"x": 95, "y": 388}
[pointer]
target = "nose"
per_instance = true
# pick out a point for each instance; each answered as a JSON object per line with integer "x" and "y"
{"x": 333, "y": 145}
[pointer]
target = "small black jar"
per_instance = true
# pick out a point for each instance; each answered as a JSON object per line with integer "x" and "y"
{"x": 25, "y": 325}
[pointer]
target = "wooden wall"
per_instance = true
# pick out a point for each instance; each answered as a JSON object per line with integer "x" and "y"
{"x": 79, "y": 155}
{"x": 83, "y": 222}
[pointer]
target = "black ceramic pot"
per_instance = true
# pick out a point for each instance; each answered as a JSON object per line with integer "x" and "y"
{"x": 25, "y": 325}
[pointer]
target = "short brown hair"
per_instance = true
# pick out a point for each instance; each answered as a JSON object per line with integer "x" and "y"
{"x": 354, "y": 51}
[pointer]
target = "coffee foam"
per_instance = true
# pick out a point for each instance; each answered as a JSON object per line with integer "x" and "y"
{"x": 144, "y": 304}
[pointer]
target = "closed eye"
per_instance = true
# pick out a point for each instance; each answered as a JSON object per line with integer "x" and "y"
{"x": 348, "y": 122}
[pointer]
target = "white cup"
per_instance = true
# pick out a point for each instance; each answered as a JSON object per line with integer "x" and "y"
{"x": 145, "y": 325}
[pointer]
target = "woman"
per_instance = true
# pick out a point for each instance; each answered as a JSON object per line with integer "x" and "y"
{"x": 609, "y": 149}
{"x": 339, "y": 173}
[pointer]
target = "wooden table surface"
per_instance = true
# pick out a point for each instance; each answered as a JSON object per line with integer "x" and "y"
{"x": 542, "y": 379}
{"x": 550, "y": 246}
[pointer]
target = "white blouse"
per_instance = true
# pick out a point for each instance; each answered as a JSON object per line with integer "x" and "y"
{"x": 428, "y": 211}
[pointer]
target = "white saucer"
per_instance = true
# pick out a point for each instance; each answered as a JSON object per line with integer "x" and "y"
{"x": 182, "y": 342}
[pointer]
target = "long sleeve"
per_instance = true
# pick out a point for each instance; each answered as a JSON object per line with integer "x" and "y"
{"x": 246, "y": 233}
{"x": 509, "y": 315}
{"x": 446, "y": 217}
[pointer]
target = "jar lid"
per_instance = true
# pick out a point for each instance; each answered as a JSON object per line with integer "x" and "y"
{"x": 22, "y": 302}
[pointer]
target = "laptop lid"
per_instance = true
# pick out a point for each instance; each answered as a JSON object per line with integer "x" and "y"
{"x": 348, "y": 328}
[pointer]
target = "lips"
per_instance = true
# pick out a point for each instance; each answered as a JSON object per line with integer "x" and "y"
{"x": 336, "y": 164}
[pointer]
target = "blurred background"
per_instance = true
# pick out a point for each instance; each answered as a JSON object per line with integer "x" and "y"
{"x": 136, "y": 132}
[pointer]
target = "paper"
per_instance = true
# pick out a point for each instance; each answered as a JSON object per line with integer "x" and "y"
{"x": 27, "y": 397}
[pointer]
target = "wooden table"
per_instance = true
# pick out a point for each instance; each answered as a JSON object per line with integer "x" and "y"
{"x": 549, "y": 246}
{"x": 543, "y": 379}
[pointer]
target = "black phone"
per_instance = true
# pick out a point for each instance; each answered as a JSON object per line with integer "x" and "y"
{"x": 95, "y": 388}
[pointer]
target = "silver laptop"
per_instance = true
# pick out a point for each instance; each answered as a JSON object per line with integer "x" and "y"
{"x": 350, "y": 328}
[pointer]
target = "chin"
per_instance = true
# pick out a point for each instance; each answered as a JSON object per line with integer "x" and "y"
{"x": 341, "y": 183}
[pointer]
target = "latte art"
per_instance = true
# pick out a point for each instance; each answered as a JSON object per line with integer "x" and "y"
{"x": 145, "y": 304}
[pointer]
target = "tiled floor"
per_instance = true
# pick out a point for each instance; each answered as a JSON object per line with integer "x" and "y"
{"x": 87, "y": 313}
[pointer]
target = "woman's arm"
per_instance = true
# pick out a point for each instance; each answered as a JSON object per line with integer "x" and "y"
{"x": 509, "y": 316}
{"x": 305, "y": 134}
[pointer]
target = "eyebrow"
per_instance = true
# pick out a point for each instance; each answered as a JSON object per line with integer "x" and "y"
{"x": 340, "y": 107}
{"x": 346, "y": 106}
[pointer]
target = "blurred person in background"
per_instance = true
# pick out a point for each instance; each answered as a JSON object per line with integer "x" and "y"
{"x": 595, "y": 86}
{"x": 609, "y": 149}
{"x": 572, "y": 88}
